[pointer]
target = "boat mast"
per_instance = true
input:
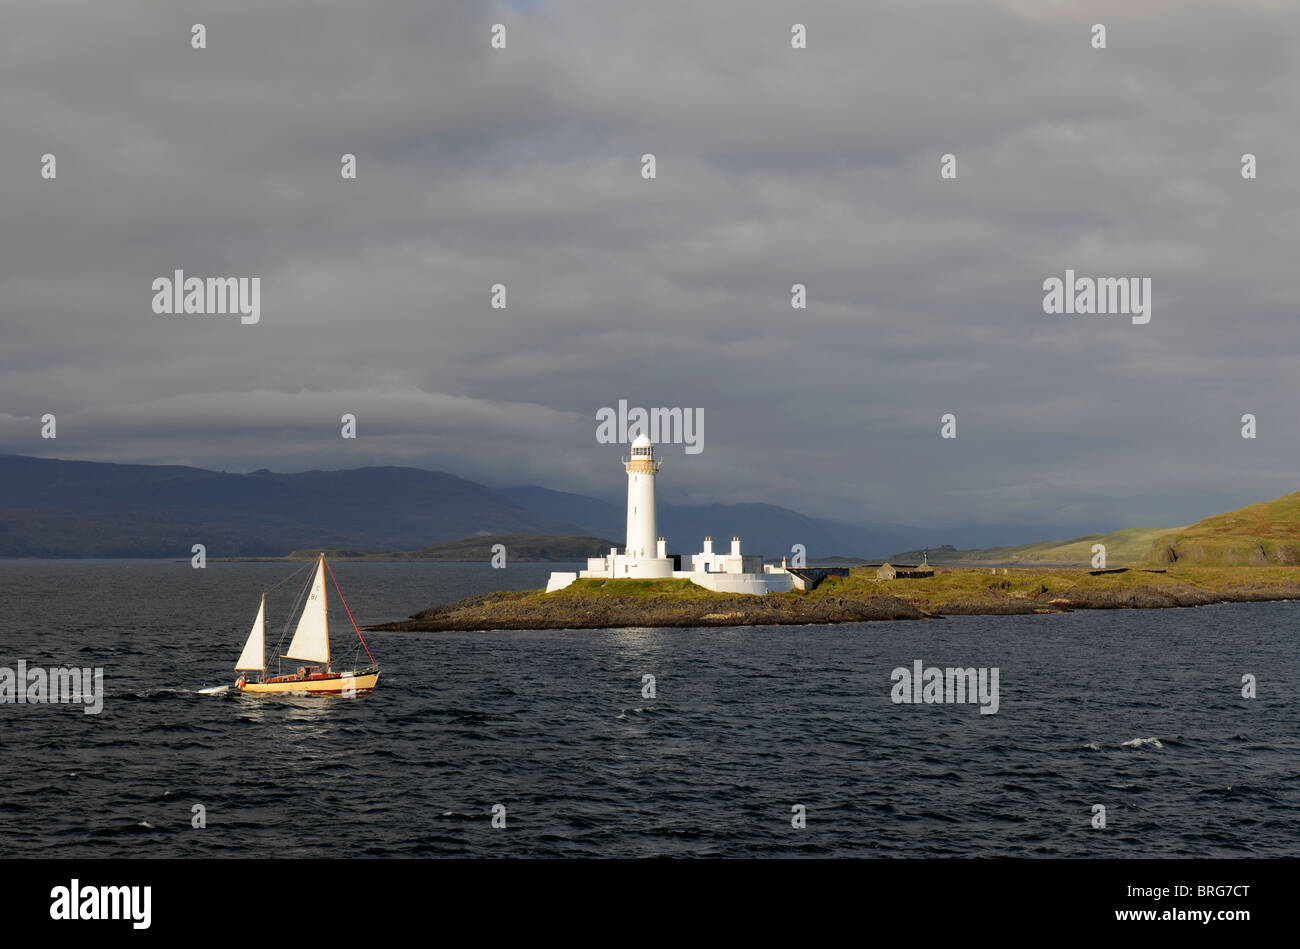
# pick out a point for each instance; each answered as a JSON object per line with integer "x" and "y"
{"x": 325, "y": 602}
{"x": 262, "y": 611}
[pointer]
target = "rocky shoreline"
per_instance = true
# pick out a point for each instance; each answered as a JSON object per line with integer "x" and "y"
{"x": 533, "y": 610}
{"x": 523, "y": 611}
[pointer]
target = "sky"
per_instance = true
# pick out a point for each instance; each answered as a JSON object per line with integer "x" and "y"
{"x": 773, "y": 166}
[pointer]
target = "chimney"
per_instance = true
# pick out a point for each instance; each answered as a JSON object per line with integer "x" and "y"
{"x": 735, "y": 546}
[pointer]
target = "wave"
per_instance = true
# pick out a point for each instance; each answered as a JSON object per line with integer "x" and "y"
{"x": 1141, "y": 742}
{"x": 622, "y": 716}
{"x": 150, "y": 695}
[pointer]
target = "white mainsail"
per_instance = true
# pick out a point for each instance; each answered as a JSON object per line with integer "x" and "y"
{"x": 311, "y": 640}
{"x": 254, "y": 654}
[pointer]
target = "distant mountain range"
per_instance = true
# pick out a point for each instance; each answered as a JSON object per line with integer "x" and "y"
{"x": 766, "y": 528}
{"x": 762, "y": 528}
{"x": 55, "y": 508}
{"x": 51, "y": 508}
{"x": 519, "y": 548}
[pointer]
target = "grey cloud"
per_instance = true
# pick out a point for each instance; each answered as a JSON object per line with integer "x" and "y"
{"x": 775, "y": 167}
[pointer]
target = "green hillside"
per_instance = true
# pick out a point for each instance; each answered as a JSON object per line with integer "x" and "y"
{"x": 1260, "y": 534}
{"x": 1132, "y": 545}
{"x": 1266, "y": 534}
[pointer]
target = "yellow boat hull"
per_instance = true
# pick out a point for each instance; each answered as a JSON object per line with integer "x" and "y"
{"x": 328, "y": 685}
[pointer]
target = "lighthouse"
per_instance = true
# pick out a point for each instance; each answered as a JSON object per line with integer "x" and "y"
{"x": 641, "y": 468}
{"x": 646, "y": 556}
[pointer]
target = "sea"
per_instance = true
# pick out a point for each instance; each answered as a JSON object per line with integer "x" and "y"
{"x": 1117, "y": 733}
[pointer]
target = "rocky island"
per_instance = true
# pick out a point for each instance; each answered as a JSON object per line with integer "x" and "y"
{"x": 1248, "y": 555}
{"x": 860, "y": 597}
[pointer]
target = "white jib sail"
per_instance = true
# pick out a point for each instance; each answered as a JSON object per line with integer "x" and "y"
{"x": 254, "y": 654}
{"x": 311, "y": 640}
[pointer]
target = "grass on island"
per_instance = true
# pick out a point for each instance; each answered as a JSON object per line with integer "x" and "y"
{"x": 952, "y": 585}
{"x": 955, "y": 583}
{"x": 668, "y": 588}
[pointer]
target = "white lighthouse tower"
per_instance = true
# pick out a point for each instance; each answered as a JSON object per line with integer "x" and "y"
{"x": 641, "y": 468}
{"x": 646, "y": 555}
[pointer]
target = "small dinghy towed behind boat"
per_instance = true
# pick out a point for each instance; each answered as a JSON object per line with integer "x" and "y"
{"x": 310, "y": 644}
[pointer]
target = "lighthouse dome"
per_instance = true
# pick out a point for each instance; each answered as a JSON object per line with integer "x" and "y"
{"x": 641, "y": 447}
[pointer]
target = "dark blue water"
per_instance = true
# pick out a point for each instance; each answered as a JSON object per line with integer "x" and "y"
{"x": 553, "y": 726}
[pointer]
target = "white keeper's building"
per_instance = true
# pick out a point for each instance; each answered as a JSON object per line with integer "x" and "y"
{"x": 646, "y": 554}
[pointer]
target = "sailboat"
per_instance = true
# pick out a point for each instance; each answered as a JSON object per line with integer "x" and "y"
{"x": 310, "y": 644}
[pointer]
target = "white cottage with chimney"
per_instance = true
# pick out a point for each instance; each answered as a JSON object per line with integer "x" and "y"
{"x": 646, "y": 555}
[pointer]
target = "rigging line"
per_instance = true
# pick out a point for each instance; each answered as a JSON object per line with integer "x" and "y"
{"x": 290, "y": 577}
{"x": 345, "y": 606}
